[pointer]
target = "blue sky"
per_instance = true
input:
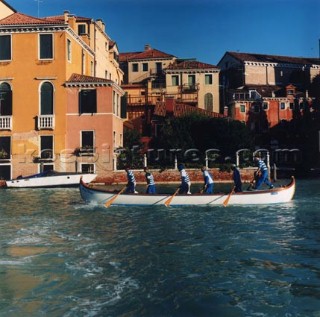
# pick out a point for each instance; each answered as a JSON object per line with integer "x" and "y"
{"x": 201, "y": 29}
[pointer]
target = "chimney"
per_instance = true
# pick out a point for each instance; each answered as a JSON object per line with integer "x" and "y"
{"x": 101, "y": 24}
{"x": 147, "y": 47}
{"x": 66, "y": 14}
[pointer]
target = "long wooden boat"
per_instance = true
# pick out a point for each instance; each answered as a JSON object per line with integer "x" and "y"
{"x": 50, "y": 179}
{"x": 258, "y": 197}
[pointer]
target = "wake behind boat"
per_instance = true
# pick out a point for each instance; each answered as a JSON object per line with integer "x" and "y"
{"x": 50, "y": 179}
{"x": 259, "y": 197}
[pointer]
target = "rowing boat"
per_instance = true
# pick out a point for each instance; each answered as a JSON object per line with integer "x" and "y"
{"x": 276, "y": 195}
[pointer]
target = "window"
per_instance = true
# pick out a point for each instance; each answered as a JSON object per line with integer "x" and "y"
{"x": 87, "y": 143}
{"x": 81, "y": 29}
{"x": 291, "y": 106}
{"x": 265, "y": 106}
{"x": 191, "y": 80}
{"x": 88, "y": 101}
{"x": 208, "y": 102}
{"x": 135, "y": 67}
{"x": 175, "y": 80}
{"x": 5, "y": 47}
{"x": 46, "y": 147}
{"x": 5, "y": 148}
{"x": 282, "y": 105}
{"x": 5, "y": 100}
{"x": 208, "y": 79}
{"x": 242, "y": 108}
{"x": 69, "y": 50}
{"x": 92, "y": 68}
{"x": 46, "y": 46}
{"x": 46, "y": 96}
{"x": 87, "y": 168}
{"x": 159, "y": 68}
{"x": 145, "y": 67}
{"x": 83, "y": 65}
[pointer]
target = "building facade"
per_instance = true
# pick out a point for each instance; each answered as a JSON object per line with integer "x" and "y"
{"x": 47, "y": 66}
{"x": 152, "y": 76}
{"x": 265, "y": 90}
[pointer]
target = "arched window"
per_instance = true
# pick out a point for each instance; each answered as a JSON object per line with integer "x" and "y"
{"x": 208, "y": 102}
{"x": 5, "y": 100}
{"x": 46, "y": 95}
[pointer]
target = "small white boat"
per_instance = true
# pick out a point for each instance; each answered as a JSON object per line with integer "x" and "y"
{"x": 50, "y": 179}
{"x": 258, "y": 197}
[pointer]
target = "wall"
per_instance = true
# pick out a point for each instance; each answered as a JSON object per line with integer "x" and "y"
{"x": 172, "y": 176}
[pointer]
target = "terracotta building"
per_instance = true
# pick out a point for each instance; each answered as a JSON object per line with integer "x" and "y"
{"x": 56, "y": 111}
{"x": 264, "y": 90}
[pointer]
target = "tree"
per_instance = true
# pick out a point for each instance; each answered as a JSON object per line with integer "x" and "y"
{"x": 200, "y": 132}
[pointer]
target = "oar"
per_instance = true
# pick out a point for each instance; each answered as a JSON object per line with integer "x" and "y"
{"x": 225, "y": 203}
{"x": 168, "y": 201}
{"x": 110, "y": 201}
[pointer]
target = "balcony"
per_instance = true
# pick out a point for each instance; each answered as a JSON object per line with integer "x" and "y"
{"x": 5, "y": 122}
{"x": 189, "y": 89}
{"x": 46, "y": 122}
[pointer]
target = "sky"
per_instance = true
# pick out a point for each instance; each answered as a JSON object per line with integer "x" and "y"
{"x": 200, "y": 29}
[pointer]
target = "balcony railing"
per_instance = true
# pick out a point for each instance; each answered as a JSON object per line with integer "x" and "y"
{"x": 46, "y": 122}
{"x": 5, "y": 122}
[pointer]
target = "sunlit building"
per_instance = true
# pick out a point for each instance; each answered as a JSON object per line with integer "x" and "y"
{"x": 60, "y": 94}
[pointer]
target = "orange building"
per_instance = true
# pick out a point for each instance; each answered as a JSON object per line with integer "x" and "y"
{"x": 53, "y": 107}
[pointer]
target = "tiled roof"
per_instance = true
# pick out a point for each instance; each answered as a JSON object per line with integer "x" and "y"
{"x": 82, "y": 79}
{"x": 124, "y": 57}
{"x": 262, "y": 58}
{"x": 23, "y": 19}
{"x": 191, "y": 65}
{"x": 147, "y": 54}
{"x": 61, "y": 18}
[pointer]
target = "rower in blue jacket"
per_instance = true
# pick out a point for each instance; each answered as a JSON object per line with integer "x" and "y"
{"x": 208, "y": 181}
{"x": 151, "y": 186}
{"x": 263, "y": 173}
{"x": 185, "y": 180}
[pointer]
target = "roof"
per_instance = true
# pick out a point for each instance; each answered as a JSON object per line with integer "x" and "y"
{"x": 147, "y": 54}
{"x": 262, "y": 58}
{"x": 23, "y": 19}
{"x": 191, "y": 65}
{"x": 83, "y": 79}
{"x": 62, "y": 18}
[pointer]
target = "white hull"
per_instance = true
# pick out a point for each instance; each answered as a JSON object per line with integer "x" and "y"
{"x": 259, "y": 197}
{"x": 58, "y": 180}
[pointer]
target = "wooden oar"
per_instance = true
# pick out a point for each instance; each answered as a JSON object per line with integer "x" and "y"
{"x": 111, "y": 200}
{"x": 225, "y": 203}
{"x": 168, "y": 201}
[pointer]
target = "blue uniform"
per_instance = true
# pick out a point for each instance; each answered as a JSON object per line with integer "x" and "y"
{"x": 264, "y": 177}
{"x": 131, "y": 186}
{"x": 208, "y": 182}
{"x": 151, "y": 189}
{"x": 185, "y": 182}
{"x": 237, "y": 180}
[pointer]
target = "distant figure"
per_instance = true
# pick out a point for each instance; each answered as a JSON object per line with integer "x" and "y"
{"x": 131, "y": 186}
{"x": 262, "y": 173}
{"x": 208, "y": 181}
{"x": 151, "y": 187}
{"x": 236, "y": 178}
{"x": 185, "y": 180}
